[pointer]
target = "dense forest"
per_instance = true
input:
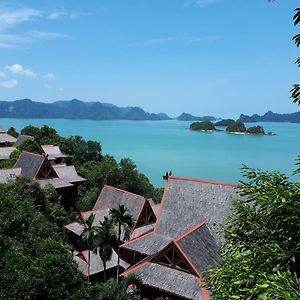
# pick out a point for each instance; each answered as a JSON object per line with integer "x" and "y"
{"x": 32, "y": 245}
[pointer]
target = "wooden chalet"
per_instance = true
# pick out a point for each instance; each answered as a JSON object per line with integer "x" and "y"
{"x": 38, "y": 168}
{"x": 53, "y": 153}
{"x": 138, "y": 207}
{"x": 170, "y": 259}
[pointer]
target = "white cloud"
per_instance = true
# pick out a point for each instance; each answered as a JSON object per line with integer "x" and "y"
{"x": 8, "y": 84}
{"x": 2, "y": 75}
{"x": 61, "y": 90}
{"x": 59, "y": 14}
{"x": 19, "y": 70}
{"x": 53, "y": 16}
{"x": 49, "y": 76}
{"x": 9, "y": 18}
{"x": 19, "y": 40}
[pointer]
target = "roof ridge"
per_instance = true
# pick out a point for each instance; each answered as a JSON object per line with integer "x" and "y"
{"x": 36, "y": 154}
{"x": 188, "y": 232}
{"x": 123, "y": 191}
{"x": 203, "y": 181}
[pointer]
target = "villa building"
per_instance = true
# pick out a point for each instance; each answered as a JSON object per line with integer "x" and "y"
{"x": 170, "y": 260}
{"x": 38, "y": 168}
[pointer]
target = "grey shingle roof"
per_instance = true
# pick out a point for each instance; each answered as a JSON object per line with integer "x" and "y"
{"x": 200, "y": 248}
{"x": 96, "y": 264}
{"x": 7, "y": 175}
{"x": 170, "y": 280}
{"x": 148, "y": 244}
{"x": 56, "y": 182}
{"x": 68, "y": 173}
{"x": 21, "y": 138}
{"x": 53, "y": 152}
{"x": 75, "y": 227}
{"x": 142, "y": 230}
{"x": 111, "y": 197}
{"x": 6, "y": 138}
{"x": 30, "y": 163}
{"x": 5, "y": 152}
{"x": 186, "y": 203}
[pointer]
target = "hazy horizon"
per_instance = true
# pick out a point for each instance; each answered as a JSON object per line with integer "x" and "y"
{"x": 203, "y": 57}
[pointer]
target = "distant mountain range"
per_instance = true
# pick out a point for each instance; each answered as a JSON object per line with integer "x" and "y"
{"x": 74, "y": 109}
{"x": 271, "y": 117}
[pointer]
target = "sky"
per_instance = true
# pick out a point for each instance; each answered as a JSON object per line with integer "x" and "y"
{"x": 204, "y": 57}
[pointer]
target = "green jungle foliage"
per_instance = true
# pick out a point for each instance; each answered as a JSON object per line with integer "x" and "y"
{"x": 256, "y": 130}
{"x": 206, "y": 125}
{"x": 35, "y": 261}
{"x": 225, "y": 122}
{"x": 236, "y": 127}
{"x": 261, "y": 256}
{"x": 89, "y": 162}
{"x": 12, "y": 131}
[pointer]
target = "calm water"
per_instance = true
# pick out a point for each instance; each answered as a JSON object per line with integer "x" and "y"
{"x": 158, "y": 146}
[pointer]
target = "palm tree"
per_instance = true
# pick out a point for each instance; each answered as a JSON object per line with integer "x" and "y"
{"x": 89, "y": 235}
{"x": 112, "y": 290}
{"x": 105, "y": 241}
{"x": 121, "y": 218}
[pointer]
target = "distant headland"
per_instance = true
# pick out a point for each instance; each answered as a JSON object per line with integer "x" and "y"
{"x": 271, "y": 117}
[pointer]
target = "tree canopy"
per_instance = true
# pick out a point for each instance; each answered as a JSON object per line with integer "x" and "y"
{"x": 261, "y": 255}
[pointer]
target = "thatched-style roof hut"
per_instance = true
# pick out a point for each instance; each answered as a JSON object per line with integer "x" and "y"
{"x": 170, "y": 259}
{"x": 38, "y": 168}
{"x": 110, "y": 197}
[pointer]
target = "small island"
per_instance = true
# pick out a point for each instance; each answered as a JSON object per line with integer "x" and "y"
{"x": 224, "y": 123}
{"x": 233, "y": 127}
{"x": 203, "y": 126}
{"x": 236, "y": 127}
{"x": 256, "y": 130}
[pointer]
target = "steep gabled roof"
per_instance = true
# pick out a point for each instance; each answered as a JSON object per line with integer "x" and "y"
{"x": 58, "y": 183}
{"x": 186, "y": 202}
{"x": 111, "y": 197}
{"x": 138, "y": 207}
{"x": 199, "y": 247}
{"x": 22, "y": 138}
{"x": 169, "y": 280}
{"x": 5, "y": 152}
{"x": 68, "y": 173}
{"x": 177, "y": 267}
{"x": 53, "y": 152}
{"x": 30, "y": 163}
{"x": 6, "y": 138}
{"x": 96, "y": 264}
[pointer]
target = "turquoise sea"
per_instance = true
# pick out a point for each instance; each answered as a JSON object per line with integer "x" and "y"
{"x": 158, "y": 146}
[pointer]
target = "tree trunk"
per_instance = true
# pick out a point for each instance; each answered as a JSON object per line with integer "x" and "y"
{"x": 118, "y": 250}
{"x": 89, "y": 264}
{"x": 104, "y": 270}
